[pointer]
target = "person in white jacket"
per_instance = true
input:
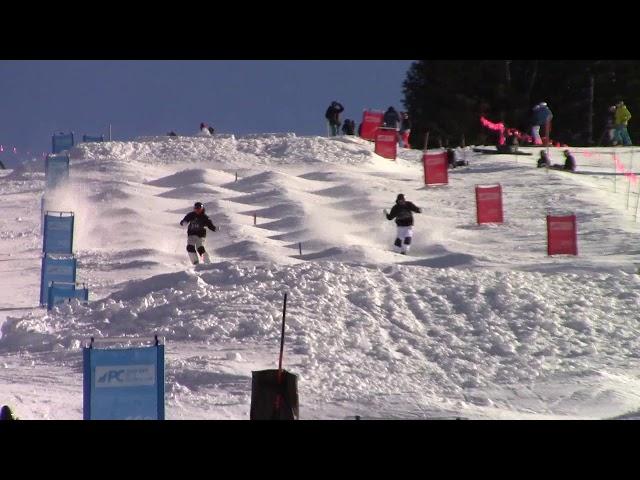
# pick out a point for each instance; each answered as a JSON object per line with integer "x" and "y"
{"x": 204, "y": 130}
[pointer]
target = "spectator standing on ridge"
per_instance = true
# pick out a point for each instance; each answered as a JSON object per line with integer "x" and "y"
{"x": 542, "y": 117}
{"x": 610, "y": 127}
{"x": 333, "y": 117}
{"x": 391, "y": 119}
{"x": 204, "y": 130}
{"x": 622, "y": 117}
{"x": 405, "y": 130}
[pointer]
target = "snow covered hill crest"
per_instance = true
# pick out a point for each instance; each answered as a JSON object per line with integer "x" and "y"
{"x": 477, "y": 321}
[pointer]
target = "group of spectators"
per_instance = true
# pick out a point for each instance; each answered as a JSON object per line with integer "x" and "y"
{"x": 391, "y": 119}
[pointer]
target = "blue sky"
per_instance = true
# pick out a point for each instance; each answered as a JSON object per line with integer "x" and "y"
{"x": 141, "y": 97}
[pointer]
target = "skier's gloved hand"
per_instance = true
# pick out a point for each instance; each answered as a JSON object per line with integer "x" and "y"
{"x": 384, "y": 210}
{"x": 181, "y": 224}
{"x": 215, "y": 228}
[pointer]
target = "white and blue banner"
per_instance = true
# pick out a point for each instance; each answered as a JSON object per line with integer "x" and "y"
{"x": 61, "y": 142}
{"x": 60, "y": 292}
{"x": 58, "y": 232}
{"x": 123, "y": 383}
{"x": 56, "y": 171}
{"x": 56, "y": 268}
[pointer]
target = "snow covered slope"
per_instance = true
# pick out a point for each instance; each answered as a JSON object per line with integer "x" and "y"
{"x": 477, "y": 321}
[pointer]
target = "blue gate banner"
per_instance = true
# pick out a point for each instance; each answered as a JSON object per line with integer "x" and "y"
{"x": 56, "y": 171}
{"x": 56, "y": 268}
{"x": 123, "y": 383}
{"x": 58, "y": 232}
{"x": 60, "y": 292}
{"x": 90, "y": 138}
{"x": 61, "y": 142}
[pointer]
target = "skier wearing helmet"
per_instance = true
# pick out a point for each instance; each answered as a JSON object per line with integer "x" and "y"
{"x": 196, "y": 233}
{"x": 402, "y": 212}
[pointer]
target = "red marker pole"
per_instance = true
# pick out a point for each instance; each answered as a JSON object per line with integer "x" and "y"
{"x": 279, "y": 377}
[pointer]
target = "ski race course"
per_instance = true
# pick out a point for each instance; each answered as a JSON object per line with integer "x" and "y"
{"x": 477, "y": 321}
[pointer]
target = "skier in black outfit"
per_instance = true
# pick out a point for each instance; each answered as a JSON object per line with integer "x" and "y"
{"x": 333, "y": 117}
{"x": 402, "y": 212}
{"x": 196, "y": 233}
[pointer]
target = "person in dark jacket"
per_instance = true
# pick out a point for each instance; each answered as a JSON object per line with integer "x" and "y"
{"x": 569, "y": 161}
{"x": 402, "y": 211}
{"x": 405, "y": 130}
{"x": 204, "y": 130}
{"x": 349, "y": 127}
{"x": 610, "y": 127}
{"x": 7, "y": 414}
{"x": 333, "y": 117}
{"x": 196, "y": 232}
{"x": 453, "y": 161}
{"x": 541, "y": 118}
{"x": 544, "y": 160}
{"x": 391, "y": 119}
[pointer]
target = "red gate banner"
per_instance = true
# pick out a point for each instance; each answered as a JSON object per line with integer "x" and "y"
{"x": 436, "y": 168}
{"x": 562, "y": 235}
{"x": 387, "y": 143}
{"x": 489, "y": 204}
{"x": 371, "y": 121}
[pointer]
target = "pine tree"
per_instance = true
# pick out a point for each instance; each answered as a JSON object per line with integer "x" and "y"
{"x": 447, "y": 97}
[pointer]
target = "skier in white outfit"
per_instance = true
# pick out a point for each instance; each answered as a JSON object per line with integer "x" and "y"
{"x": 196, "y": 233}
{"x": 402, "y": 212}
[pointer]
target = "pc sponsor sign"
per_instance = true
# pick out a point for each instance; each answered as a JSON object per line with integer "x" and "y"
{"x": 56, "y": 171}
{"x": 58, "y": 232}
{"x": 56, "y": 268}
{"x": 124, "y": 383}
{"x": 371, "y": 121}
{"x": 60, "y": 292}
{"x": 436, "y": 168}
{"x": 562, "y": 235}
{"x": 489, "y": 204}
{"x": 387, "y": 143}
{"x": 61, "y": 142}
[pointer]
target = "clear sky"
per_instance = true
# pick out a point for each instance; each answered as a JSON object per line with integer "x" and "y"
{"x": 140, "y": 97}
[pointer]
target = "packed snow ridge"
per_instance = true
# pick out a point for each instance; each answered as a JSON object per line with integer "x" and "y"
{"x": 476, "y": 321}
